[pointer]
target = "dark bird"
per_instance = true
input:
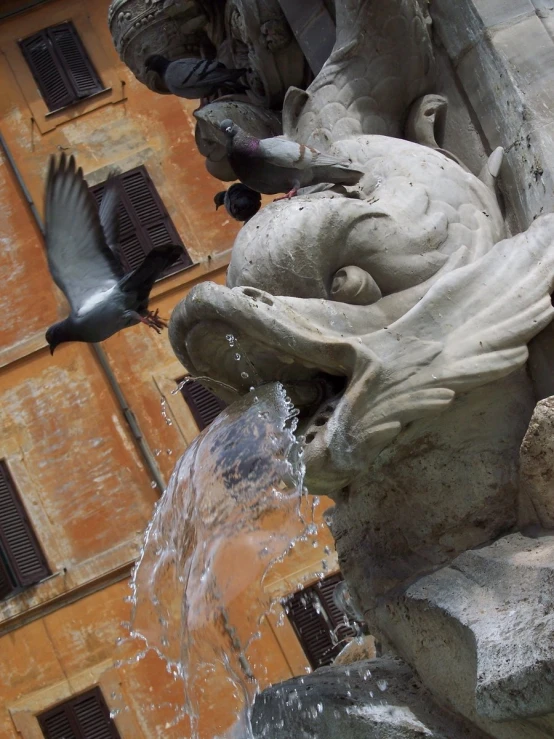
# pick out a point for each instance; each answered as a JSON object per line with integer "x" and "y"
{"x": 195, "y": 79}
{"x": 83, "y": 258}
{"x": 240, "y": 201}
{"x": 277, "y": 164}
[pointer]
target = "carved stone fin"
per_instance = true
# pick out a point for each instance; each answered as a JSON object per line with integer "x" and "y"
{"x": 295, "y": 100}
{"x": 489, "y": 173}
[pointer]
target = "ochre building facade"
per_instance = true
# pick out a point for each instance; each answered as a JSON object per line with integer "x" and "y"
{"x": 69, "y": 423}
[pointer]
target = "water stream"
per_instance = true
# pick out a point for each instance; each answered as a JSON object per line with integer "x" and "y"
{"x": 233, "y": 508}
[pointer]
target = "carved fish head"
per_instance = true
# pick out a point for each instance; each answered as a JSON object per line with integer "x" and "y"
{"x": 316, "y": 285}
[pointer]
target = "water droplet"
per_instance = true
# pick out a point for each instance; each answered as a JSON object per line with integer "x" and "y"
{"x": 244, "y": 375}
{"x": 153, "y": 484}
{"x": 237, "y": 357}
{"x": 327, "y": 550}
{"x": 382, "y": 685}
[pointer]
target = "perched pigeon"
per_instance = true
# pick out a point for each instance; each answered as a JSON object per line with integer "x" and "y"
{"x": 240, "y": 201}
{"x": 195, "y": 79}
{"x": 277, "y": 165}
{"x": 81, "y": 245}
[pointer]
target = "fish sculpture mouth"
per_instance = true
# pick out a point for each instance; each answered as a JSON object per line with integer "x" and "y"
{"x": 244, "y": 337}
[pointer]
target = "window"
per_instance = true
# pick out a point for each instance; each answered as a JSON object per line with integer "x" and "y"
{"x": 203, "y": 404}
{"x": 22, "y": 562}
{"x": 61, "y": 66}
{"x": 84, "y": 717}
{"x": 143, "y": 220}
{"x": 321, "y": 627}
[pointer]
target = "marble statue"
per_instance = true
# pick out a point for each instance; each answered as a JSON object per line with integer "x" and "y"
{"x": 398, "y": 314}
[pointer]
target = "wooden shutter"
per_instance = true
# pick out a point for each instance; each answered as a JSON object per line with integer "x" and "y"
{"x": 143, "y": 220}
{"x": 56, "y": 725}
{"x": 312, "y": 627}
{"x": 77, "y": 64}
{"x": 7, "y": 584}
{"x": 17, "y": 540}
{"x": 61, "y": 66}
{"x": 83, "y": 717}
{"x": 52, "y": 82}
{"x": 318, "y": 622}
{"x": 203, "y": 404}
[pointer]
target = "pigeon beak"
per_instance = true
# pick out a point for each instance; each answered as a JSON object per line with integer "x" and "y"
{"x": 52, "y": 347}
{"x": 217, "y": 206}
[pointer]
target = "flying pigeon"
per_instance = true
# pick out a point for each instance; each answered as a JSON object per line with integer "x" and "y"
{"x": 195, "y": 79}
{"x": 83, "y": 258}
{"x": 240, "y": 201}
{"x": 277, "y": 164}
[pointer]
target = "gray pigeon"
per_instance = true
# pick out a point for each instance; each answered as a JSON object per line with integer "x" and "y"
{"x": 81, "y": 246}
{"x": 240, "y": 201}
{"x": 195, "y": 79}
{"x": 277, "y": 164}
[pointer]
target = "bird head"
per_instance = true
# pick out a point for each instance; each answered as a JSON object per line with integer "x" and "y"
{"x": 228, "y": 127}
{"x": 219, "y": 199}
{"x": 58, "y": 333}
{"x": 156, "y": 63}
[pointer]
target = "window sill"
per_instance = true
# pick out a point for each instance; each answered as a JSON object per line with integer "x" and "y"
{"x": 77, "y": 102}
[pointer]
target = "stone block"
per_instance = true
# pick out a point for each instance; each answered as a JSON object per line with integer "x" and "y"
{"x": 479, "y": 634}
{"x": 373, "y": 698}
{"x": 537, "y": 464}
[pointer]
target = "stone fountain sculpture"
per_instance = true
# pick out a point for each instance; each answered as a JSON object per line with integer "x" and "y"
{"x": 398, "y": 316}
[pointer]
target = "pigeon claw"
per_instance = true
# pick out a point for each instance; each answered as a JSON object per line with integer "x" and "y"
{"x": 291, "y": 194}
{"x": 154, "y": 320}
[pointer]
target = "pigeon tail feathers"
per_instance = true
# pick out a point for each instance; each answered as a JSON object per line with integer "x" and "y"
{"x": 145, "y": 275}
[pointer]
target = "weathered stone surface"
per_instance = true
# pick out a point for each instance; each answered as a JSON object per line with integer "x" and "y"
{"x": 479, "y": 634}
{"x": 378, "y": 698}
{"x": 412, "y": 387}
{"x": 536, "y": 472}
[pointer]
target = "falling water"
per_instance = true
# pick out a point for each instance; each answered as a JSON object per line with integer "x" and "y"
{"x": 231, "y": 510}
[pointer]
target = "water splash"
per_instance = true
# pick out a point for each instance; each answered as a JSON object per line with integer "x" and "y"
{"x": 232, "y": 508}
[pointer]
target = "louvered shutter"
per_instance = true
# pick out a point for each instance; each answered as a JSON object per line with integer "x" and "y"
{"x": 83, "y": 717}
{"x": 143, "y": 220}
{"x": 55, "y": 724}
{"x": 320, "y": 625}
{"x": 49, "y": 74}
{"x": 204, "y": 405}
{"x": 77, "y": 64}
{"x": 17, "y": 540}
{"x": 312, "y": 627}
{"x": 93, "y": 717}
{"x": 153, "y": 226}
{"x": 7, "y": 586}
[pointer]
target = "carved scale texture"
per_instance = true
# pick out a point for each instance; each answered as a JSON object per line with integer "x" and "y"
{"x": 381, "y": 62}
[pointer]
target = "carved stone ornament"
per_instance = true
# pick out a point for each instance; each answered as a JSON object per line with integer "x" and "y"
{"x": 174, "y": 28}
{"x": 398, "y": 315}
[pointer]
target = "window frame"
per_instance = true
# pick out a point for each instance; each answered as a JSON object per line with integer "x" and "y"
{"x": 21, "y": 86}
{"x": 67, "y": 708}
{"x": 47, "y": 35}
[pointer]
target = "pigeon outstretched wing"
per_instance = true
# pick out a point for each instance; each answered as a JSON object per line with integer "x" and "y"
{"x": 79, "y": 259}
